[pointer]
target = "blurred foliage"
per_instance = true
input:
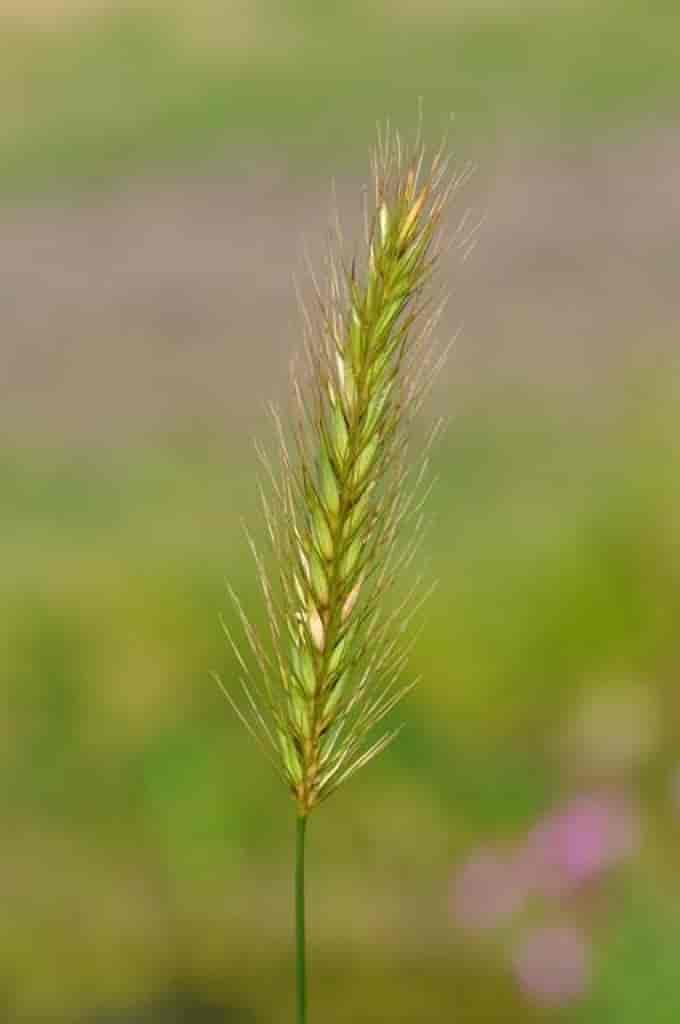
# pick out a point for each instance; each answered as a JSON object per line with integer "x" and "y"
{"x": 89, "y": 95}
{"x": 558, "y": 567}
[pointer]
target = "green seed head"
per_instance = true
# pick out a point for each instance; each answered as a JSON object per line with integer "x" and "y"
{"x": 341, "y": 501}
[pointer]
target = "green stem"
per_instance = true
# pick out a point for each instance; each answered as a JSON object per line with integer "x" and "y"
{"x": 300, "y": 964}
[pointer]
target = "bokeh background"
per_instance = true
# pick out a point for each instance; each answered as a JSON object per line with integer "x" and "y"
{"x": 516, "y": 855}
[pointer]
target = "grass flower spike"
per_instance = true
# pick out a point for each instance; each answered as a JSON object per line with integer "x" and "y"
{"x": 342, "y": 510}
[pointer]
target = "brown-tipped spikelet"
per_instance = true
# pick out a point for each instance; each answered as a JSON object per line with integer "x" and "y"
{"x": 342, "y": 498}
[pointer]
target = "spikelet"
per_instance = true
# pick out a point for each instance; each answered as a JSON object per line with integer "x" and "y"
{"x": 341, "y": 510}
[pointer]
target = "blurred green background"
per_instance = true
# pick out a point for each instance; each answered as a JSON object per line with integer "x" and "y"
{"x": 162, "y": 167}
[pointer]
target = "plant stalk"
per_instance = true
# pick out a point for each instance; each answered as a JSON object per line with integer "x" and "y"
{"x": 300, "y": 946}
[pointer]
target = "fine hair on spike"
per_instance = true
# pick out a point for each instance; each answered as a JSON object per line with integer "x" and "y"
{"x": 342, "y": 502}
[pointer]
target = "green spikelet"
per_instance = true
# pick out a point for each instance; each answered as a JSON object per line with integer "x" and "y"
{"x": 340, "y": 500}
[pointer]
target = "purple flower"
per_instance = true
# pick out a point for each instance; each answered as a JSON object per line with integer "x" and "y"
{"x": 487, "y": 889}
{"x": 577, "y": 842}
{"x": 553, "y": 964}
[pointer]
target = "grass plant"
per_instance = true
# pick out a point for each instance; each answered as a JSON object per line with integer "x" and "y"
{"x": 343, "y": 507}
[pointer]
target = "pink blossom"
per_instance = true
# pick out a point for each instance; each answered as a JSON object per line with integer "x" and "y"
{"x": 577, "y": 842}
{"x": 553, "y": 965}
{"x": 487, "y": 889}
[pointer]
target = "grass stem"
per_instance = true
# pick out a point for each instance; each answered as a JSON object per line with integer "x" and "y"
{"x": 300, "y": 952}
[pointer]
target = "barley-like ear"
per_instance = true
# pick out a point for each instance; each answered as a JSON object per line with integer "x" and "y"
{"x": 340, "y": 511}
